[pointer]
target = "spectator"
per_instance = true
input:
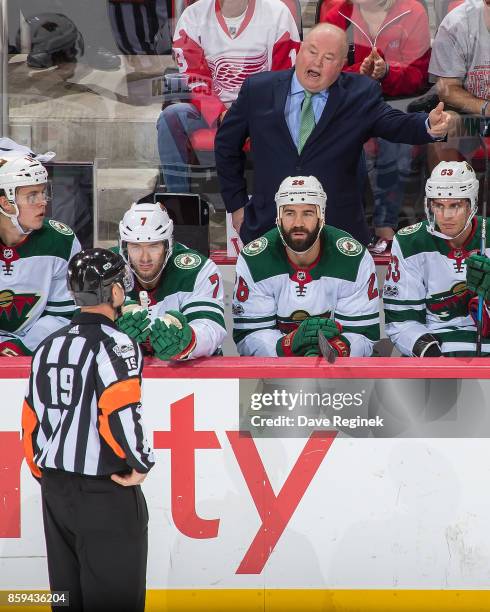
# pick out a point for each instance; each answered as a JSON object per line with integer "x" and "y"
{"x": 217, "y": 45}
{"x": 391, "y": 44}
{"x": 324, "y": 138}
{"x": 461, "y": 62}
{"x": 140, "y": 28}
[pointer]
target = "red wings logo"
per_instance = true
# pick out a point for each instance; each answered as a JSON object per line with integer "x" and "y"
{"x": 230, "y": 72}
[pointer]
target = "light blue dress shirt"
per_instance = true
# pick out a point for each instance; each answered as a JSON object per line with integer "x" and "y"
{"x": 292, "y": 110}
{"x": 294, "y": 100}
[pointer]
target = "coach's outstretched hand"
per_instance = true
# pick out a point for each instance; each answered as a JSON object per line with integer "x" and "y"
{"x": 439, "y": 121}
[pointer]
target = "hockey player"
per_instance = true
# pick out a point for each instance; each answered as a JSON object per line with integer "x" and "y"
{"x": 217, "y": 44}
{"x": 429, "y": 309}
{"x": 179, "y": 312}
{"x": 34, "y": 255}
{"x": 303, "y": 277}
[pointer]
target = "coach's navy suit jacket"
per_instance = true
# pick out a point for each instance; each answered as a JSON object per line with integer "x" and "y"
{"x": 355, "y": 111}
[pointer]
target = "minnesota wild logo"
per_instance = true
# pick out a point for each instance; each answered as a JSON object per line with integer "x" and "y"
{"x": 450, "y": 304}
{"x": 61, "y": 227}
{"x": 410, "y": 229}
{"x": 349, "y": 246}
{"x": 15, "y": 308}
{"x": 187, "y": 261}
{"x": 256, "y": 246}
{"x": 292, "y": 322}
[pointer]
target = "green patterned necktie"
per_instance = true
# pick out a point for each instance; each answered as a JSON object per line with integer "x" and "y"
{"x": 307, "y": 120}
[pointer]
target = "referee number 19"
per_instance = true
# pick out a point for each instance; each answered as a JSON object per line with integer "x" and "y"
{"x": 61, "y": 385}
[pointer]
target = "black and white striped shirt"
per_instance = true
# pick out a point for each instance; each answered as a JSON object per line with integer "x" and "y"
{"x": 135, "y": 24}
{"x": 82, "y": 412}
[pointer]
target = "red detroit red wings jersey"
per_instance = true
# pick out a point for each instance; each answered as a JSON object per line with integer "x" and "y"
{"x": 217, "y": 63}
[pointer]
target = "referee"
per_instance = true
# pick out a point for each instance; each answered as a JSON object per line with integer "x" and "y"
{"x": 84, "y": 440}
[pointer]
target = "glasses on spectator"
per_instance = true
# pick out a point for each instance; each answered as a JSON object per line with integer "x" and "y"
{"x": 455, "y": 207}
{"x": 37, "y": 197}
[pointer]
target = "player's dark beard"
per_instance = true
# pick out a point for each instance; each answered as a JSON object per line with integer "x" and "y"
{"x": 300, "y": 244}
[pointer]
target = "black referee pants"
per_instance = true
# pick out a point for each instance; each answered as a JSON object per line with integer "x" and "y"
{"x": 97, "y": 541}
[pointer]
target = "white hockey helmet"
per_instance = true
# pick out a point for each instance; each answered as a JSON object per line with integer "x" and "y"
{"x": 295, "y": 190}
{"x": 451, "y": 180}
{"x": 146, "y": 222}
{"x": 301, "y": 190}
{"x": 19, "y": 171}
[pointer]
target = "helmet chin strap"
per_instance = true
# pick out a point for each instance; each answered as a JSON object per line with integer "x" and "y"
{"x": 434, "y": 232}
{"x": 146, "y": 281}
{"x": 309, "y": 248}
{"x": 14, "y": 219}
{"x": 142, "y": 280}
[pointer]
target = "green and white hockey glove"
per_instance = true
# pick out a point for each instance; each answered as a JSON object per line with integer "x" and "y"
{"x": 134, "y": 321}
{"x": 478, "y": 275}
{"x": 304, "y": 339}
{"x": 171, "y": 337}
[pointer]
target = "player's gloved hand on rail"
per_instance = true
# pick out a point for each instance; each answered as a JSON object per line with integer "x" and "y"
{"x": 427, "y": 346}
{"x": 14, "y": 348}
{"x": 478, "y": 275}
{"x": 304, "y": 340}
{"x": 172, "y": 337}
{"x": 134, "y": 321}
{"x": 473, "y": 312}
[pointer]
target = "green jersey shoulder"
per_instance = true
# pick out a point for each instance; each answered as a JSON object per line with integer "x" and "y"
{"x": 340, "y": 256}
{"x": 54, "y": 238}
{"x": 416, "y": 239}
{"x": 183, "y": 268}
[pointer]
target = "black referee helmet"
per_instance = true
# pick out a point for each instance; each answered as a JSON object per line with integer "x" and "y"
{"x": 91, "y": 274}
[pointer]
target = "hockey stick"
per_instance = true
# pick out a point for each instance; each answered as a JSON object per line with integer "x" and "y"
{"x": 483, "y": 244}
{"x": 325, "y": 349}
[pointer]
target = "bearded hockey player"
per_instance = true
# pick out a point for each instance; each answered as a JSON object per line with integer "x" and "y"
{"x": 177, "y": 310}
{"x": 34, "y": 255}
{"x": 429, "y": 308}
{"x": 304, "y": 277}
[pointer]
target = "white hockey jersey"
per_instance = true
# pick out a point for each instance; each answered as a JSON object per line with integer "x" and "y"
{"x": 217, "y": 63}
{"x": 272, "y": 295}
{"x": 425, "y": 291}
{"x": 191, "y": 284}
{"x": 34, "y": 297}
